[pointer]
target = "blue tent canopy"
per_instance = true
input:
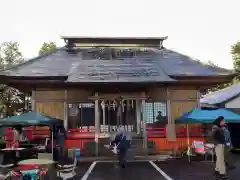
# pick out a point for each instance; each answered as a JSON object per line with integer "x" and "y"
{"x": 200, "y": 116}
{"x": 30, "y": 119}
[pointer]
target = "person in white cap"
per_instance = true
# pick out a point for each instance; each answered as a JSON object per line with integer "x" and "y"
{"x": 122, "y": 140}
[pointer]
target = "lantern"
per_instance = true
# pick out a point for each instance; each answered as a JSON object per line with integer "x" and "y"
{"x": 102, "y": 105}
{"x": 122, "y": 104}
{"x": 114, "y": 105}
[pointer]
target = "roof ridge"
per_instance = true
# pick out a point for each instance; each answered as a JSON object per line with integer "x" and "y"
{"x": 226, "y": 88}
{"x": 225, "y": 94}
{"x": 31, "y": 60}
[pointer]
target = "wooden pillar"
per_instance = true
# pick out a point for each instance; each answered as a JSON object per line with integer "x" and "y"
{"x": 33, "y": 102}
{"x": 65, "y": 110}
{"x": 104, "y": 114}
{"x": 169, "y": 117}
{"x": 97, "y": 123}
{"x": 198, "y": 98}
{"x": 145, "y": 139}
{"x": 171, "y": 127}
{"x": 138, "y": 115}
{"x": 25, "y": 102}
{"x": 33, "y": 106}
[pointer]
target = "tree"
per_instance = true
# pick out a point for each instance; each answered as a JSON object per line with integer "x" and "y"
{"x": 235, "y": 50}
{"x": 211, "y": 63}
{"x": 10, "y": 98}
{"x": 219, "y": 86}
{"x": 47, "y": 48}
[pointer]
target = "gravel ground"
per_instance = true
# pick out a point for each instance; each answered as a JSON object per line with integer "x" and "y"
{"x": 177, "y": 169}
{"x": 181, "y": 169}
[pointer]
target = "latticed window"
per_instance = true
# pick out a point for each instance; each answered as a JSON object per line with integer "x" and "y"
{"x": 155, "y": 112}
{"x": 81, "y": 115}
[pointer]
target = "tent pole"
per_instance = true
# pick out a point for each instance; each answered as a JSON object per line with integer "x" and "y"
{"x": 188, "y": 143}
{"x": 52, "y": 145}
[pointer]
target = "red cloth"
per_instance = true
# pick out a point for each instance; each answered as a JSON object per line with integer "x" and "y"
{"x": 25, "y": 167}
{"x": 9, "y": 138}
{"x": 15, "y": 145}
{"x": 29, "y": 134}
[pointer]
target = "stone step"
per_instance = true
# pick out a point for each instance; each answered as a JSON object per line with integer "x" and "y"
{"x": 135, "y": 149}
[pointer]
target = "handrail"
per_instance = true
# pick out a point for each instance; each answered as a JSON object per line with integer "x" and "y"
{"x": 160, "y": 132}
{"x": 152, "y": 132}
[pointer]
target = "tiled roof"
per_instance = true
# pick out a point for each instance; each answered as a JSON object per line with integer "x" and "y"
{"x": 221, "y": 96}
{"x": 176, "y": 64}
{"x": 153, "y": 66}
{"x": 119, "y": 71}
{"x": 59, "y": 63}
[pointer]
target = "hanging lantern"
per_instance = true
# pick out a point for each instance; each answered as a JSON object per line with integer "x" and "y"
{"x": 122, "y": 104}
{"x": 114, "y": 105}
{"x": 108, "y": 104}
{"x": 102, "y": 105}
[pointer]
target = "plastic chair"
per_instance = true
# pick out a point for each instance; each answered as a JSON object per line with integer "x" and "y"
{"x": 10, "y": 165}
{"x": 30, "y": 172}
{"x": 203, "y": 149}
{"x": 5, "y": 173}
{"x": 44, "y": 145}
{"x": 68, "y": 170}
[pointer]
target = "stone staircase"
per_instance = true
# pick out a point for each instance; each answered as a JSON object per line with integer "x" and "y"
{"x": 136, "y": 148}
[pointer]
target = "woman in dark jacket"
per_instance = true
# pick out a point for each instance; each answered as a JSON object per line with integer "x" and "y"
{"x": 219, "y": 142}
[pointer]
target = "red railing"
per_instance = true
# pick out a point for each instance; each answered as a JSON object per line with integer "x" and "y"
{"x": 156, "y": 132}
{"x": 86, "y": 133}
{"x": 83, "y": 133}
{"x": 79, "y": 137}
{"x": 160, "y": 132}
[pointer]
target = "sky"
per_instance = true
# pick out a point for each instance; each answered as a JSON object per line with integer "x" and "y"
{"x": 204, "y": 30}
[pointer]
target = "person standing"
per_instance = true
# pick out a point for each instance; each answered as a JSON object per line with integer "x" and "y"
{"x": 17, "y": 134}
{"x": 60, "y": 141}
{"x": 122, "y": 140}
{"x": 228, "y": 146}
{"x": 219, "y": 142}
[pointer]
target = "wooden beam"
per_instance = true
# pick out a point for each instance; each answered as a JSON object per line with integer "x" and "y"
{"x": 112, "y": 98}
{"x": 118, "y": 96}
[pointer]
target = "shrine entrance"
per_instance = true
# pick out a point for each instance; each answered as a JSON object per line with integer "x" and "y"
{"x": 120, "y": 109}
{"x": 115, "y": 110}
{"x": 114, "y": 114}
